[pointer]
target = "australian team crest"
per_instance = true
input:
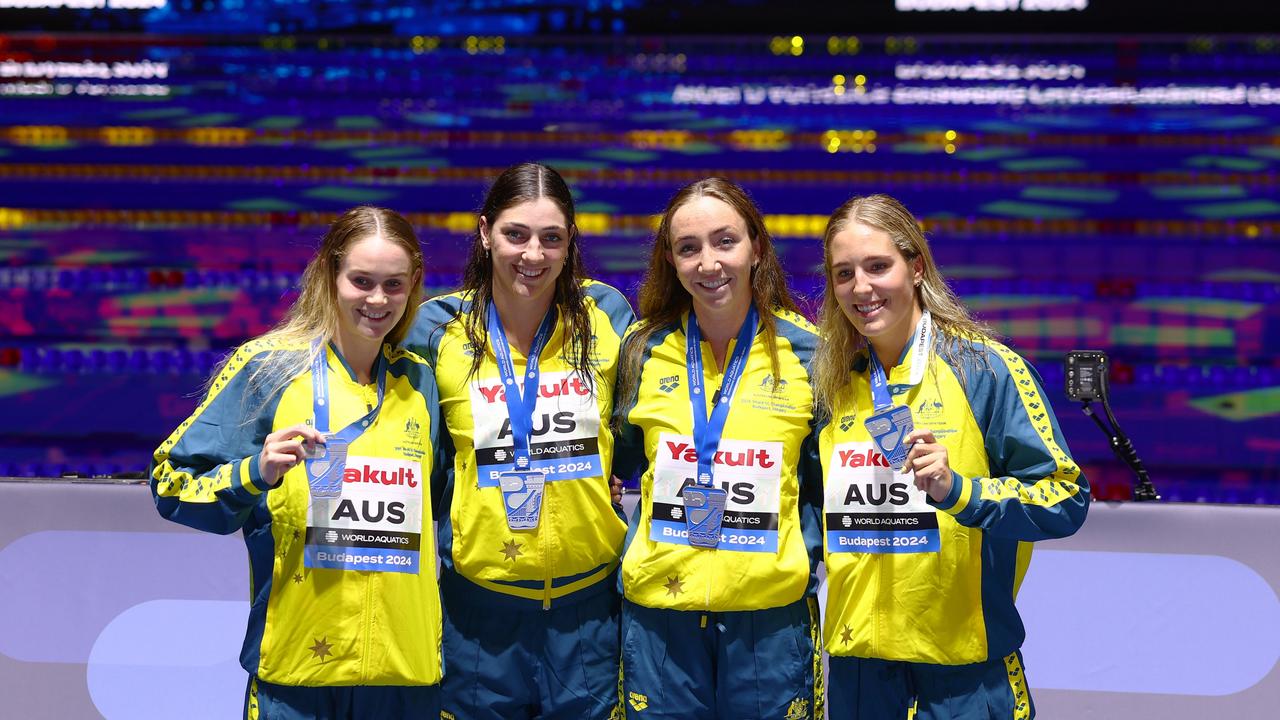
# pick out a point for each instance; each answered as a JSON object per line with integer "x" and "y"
{"x": 929, "y": 412}
{"x": 412, "y": 430}
{"x": 780, "y": 387}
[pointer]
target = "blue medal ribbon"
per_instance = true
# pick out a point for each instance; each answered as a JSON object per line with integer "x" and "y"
{"x": 879, "y": 383}
{"x": 520, "y": 405}
{"x": 921, "y": 339}
{"x": 320, "y": 409}
{"x": 707, "y": 431}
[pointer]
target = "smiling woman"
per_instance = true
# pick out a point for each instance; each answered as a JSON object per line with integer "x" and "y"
{"x": 525, "y": 354}
{"x": 925, "y": 552}
{"x": 714, "y": 411}
{"x": 375, "y": 281}
{"x": 290, "y": 424}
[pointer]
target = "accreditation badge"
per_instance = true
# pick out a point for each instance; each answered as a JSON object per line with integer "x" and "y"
{"x": 375, "y": 525}
{"x": 703, "y": 514}
{"x": 565, "y": 429}
{"x": 522, "y": 497}
{"x": 872, "y": 507}
{"x": 748, "y": 480}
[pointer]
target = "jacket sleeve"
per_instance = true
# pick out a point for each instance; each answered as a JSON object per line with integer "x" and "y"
{"x": 811, "y": 500}
{"x": 428, "y": 326}
{"x": 442, "y": 469}
{"x": 629, "y": 461}
{"x": 613, "y": 304}
{"x": 205, "y": 475}
{"x": 1036, "y": 490}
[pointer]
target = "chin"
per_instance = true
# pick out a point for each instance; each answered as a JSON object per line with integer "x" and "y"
{"x": 536, "y": 292}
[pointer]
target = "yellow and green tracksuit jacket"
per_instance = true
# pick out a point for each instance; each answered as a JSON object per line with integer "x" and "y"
{"x": 315, "y": 619}
{"x": 574, "y": 550}
{"x": 914, "y": 580}
{"x": 770, "y": 539}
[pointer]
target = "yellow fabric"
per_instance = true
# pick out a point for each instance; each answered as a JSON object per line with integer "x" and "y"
{"x": 579, "y": 531}
{"x": 320, "y": 626}
{"x": 665, "y": 575}
{"x": 891, "y": 606}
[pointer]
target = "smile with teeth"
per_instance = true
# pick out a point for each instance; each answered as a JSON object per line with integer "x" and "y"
{"x": 374, "y": 315}
{"x": 713, "y": 284}
{"x": 529, "y": 272}
{"x": 870, "y": 308}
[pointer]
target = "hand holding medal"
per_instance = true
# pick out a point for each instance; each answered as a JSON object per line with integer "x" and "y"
{"x": 928, "y": 459}
{"x": 284, "y": 449}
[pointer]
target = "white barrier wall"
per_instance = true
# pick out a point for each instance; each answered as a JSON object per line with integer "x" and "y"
{"x": 1151, "y": 611}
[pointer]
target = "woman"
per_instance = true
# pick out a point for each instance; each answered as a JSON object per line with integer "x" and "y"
{"x": 317, "y": 441}
{"x": 715, "y": 404}
{"x": 525, "y": 355}
{"x": 925, "y": 553}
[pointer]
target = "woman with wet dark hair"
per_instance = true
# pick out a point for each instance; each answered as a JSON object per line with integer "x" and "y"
{"x": 525, "y": 353}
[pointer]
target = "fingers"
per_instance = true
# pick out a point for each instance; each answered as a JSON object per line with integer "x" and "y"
{"x": 928, "y": 462}
{"x": 308, "y": 433}
{"x": 922, "y": 443}
{"x": 283, "y": 449}
{"x": 920, "y": 434}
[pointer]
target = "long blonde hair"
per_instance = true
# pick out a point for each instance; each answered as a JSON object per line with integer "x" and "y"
{"x": 314, "y": 315}
{"x": 841, "y": 341}
{"x": 662, "y": 299}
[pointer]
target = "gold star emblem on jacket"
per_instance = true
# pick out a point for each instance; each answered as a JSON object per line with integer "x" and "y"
{"x": 511, "y": 549}
{"x": 846, "y": 635}
{"x": 322, "y": 649}
{"x": 674, "y": 586}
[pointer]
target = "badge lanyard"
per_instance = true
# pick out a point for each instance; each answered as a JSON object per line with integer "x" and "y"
{"x": 324, "y": 473}
{"x": 921, "y": 339}
{"x": 707, "y": 431}
{"x": 520, "y": 405}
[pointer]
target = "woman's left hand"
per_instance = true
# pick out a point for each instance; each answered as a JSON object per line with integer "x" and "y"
{"x": 928, "y": 460}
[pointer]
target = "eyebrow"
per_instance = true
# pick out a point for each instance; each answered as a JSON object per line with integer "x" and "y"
{"x": 362, "y": 271}
{"x": 869, "y": 258}
{"x": 522, "y": 226}
{"x": 866, "y": 259}
{"x": 717, "y": 231}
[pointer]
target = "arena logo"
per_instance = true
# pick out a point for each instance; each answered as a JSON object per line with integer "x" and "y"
{"x": 368, "y": 474}
{"x": 567, "y": 386}
{"x": 751, "y": 457}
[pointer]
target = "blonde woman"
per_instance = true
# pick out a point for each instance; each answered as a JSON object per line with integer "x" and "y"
{"x": 942, "y": 463}
{"x": 318, "y": 442}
